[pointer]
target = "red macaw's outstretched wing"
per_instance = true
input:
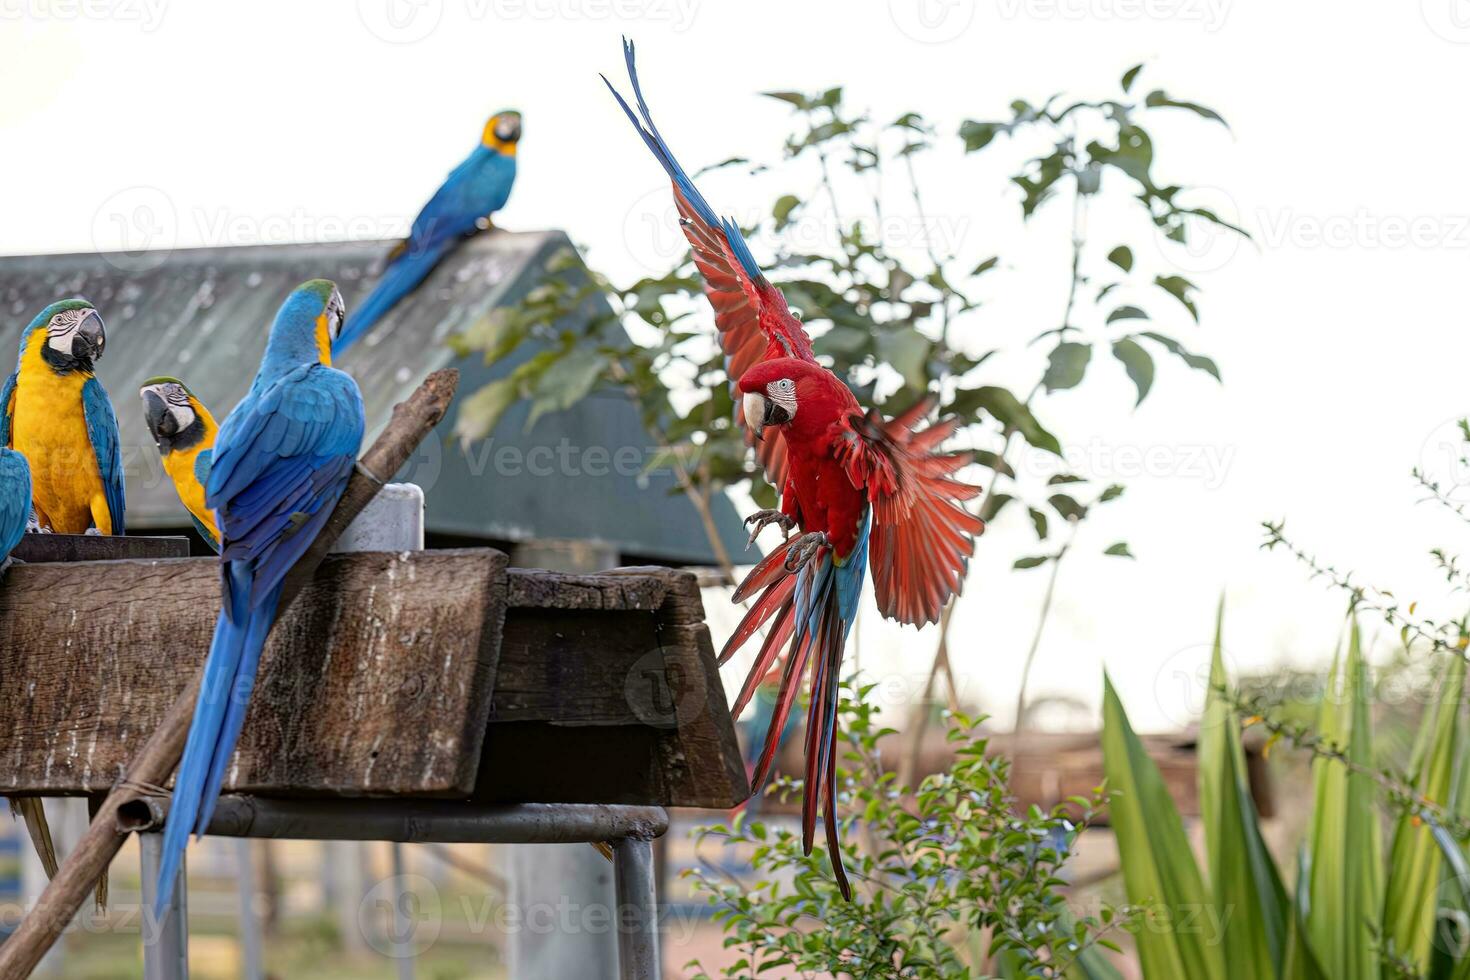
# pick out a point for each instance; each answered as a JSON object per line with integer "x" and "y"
{"x": 751, "y": 314}
{"x": 922, "y": 538}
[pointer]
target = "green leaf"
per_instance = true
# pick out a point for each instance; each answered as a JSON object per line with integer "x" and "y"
{"x": 1243, "y": 876}
{"x": 1066, "y": 366}
{"x": 907, "y": 352}
{"x": 566, "y": 381}
{"x": 995, "y": 462}
{"x": 1130, "y": 75}
{"x": 479, "y": 413}
{"x": 1180, "y": 288}
{"x": 977, "y": 135}
{"x": 791, "y": 98}
{"x": 1119, "y": 550}
{"x": 1038, "y": 521}
{"x": 1138, "y": 363}
{"x": 1158, "y": 99}
{"x": 782, "y": 209}
{"x": 1007, "y": 409}
{"x": 1113, "y": 492}
{"x": 1159, "y": 870}
{"x": 1411, "y": 895}
{"x": 1197, "y": 361}
{"x": 985, "y": 266}
{"x": 1126, "y": 313}
{"x": 1346, "y": 851}
{"x": 1067, "y": 507}
{"x": 1032, "y": 562}
{"x": 1122, "y": 257}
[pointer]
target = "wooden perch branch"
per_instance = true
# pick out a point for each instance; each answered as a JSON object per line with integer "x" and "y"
{"x": 412, "y": 420}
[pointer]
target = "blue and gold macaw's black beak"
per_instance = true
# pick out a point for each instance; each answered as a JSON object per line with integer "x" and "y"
{"x": 90, "y": 339}
{"x": 161, "y": 421}
{"x": 508, "y": 127}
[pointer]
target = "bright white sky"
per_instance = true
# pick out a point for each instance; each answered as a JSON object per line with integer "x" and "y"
{"x": 1343, "y": 346}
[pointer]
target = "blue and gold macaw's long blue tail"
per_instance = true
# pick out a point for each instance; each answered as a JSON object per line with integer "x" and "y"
{"x": 814, "y": 608}
{"x": 404, "y": 273}
{"x": 219, "y": 715}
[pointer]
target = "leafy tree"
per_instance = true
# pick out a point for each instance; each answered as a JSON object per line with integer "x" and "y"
{"x": 895, "y": 308}
{"x": 948, "y": 878}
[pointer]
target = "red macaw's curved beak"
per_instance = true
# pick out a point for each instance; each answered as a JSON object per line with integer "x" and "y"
{"x": 760, "y": 412}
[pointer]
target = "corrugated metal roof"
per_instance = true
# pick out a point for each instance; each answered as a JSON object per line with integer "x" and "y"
{"x": 202, "y": 315}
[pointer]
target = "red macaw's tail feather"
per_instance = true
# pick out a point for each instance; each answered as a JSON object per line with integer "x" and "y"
{"x": 771, "y": 600}
{"x": 922, "y": 537}
{"x": 807, "y": 611}
{"x": 770, "y": 569}
{"x": 776, "y": 639}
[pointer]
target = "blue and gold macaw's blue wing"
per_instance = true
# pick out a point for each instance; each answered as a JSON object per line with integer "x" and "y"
{"x": 201, "y": 473}
{"x": 474, "y": 190}
{"x": 7, "y": 407}
{"x": 15, "y": 500}
{"x": 107, "y": 445}
{"x": 281, "y": 461}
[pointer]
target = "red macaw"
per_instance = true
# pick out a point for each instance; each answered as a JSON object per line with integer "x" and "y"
{"x": 861, "y": 490}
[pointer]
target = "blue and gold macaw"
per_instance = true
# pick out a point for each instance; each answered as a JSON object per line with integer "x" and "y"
{"x": 185, "y": 431}
{"x": 54, "y": 411}
{"x": 15, "y": 511}
{"x": 15, "y": 502}
{"x": 472, "y": 192}
{"x": 281, "y": 461}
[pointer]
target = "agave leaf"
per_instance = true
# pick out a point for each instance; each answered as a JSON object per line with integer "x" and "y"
{"x": 1178, "y": 936}
{"x": 1411, "y": 897}
{"x": 1243, "y": 876}
{"x": 1346, "y": 885}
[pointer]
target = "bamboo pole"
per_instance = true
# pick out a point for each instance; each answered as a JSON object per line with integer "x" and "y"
{"x": 412, "y": 420}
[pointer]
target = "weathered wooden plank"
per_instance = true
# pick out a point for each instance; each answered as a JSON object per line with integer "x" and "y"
{"x": 97, "y": 547}
{"x": 376, "y": 682}
{"x": 608, "y": 692}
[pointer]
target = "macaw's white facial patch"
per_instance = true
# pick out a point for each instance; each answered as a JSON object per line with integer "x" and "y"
{"x": 783, "y": 393}
{"x": 63, "y": 328}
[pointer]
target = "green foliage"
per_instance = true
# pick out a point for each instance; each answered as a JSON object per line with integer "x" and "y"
{"x": 1354, "y": 914}
{"x": 896, "y": 319}
{"x": 1181, "y": 921}
{"x": 934, "y": 869}
{"x": 1345, "y": 891}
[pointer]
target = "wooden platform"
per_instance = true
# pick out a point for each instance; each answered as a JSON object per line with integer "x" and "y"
{"x": 420, "y": 674}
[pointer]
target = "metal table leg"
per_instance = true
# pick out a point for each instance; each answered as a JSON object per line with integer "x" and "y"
{"x": 166, "y": 937}
{"x": 251, "y": 945}
{"x": 637, "y": 911}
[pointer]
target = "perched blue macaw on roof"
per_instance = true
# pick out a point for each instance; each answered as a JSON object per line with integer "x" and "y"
{"x": 472, "y": 192}
{"x": 54, "y": 411}
{"x": 281, "y": 461}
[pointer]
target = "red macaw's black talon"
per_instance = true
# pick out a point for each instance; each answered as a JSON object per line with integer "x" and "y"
{"x": 863, "y": 491}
